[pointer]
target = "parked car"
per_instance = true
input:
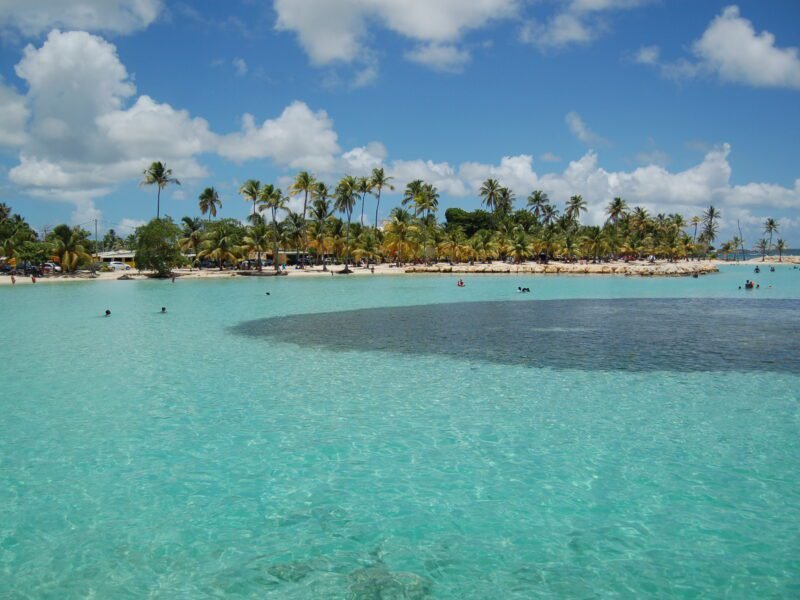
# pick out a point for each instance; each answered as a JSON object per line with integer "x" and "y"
{"x": 118, "y": 266}
{"x": 50, "y": 267}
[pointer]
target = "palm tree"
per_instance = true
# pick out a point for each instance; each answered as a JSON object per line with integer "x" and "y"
{"x": 762, "y": 246}
{"x": 594, "y": 242}
{"x": 221, "y": 244}
{"x": 413, "y": 189}
{"x": 193, "y": 236}
{"x": 209, "y": 201}
{"x": 68, "y": 245}
{"x": 575, "y": 205}
{"x": 251, "y": 190}
{"x": 771, "y": 226}
{"x": 364, "y": 187}
{"x": 536, "y": 203}
{"x": 379, "y": 181}
{"x": 426, "y": 200}
{"x": 304, "y": 183}
{"x": 320, "y": 211}
{"x": 345, "y": 202}
{"x": 505, "y": 201}
{"x": 780, "y": 246}
{"x": 549, "y": 214}
{"x": 294, "y": 231}
{"x": 257, "y": 240}
{"x": 272, "y": 198}
{"x": 695, "y": 221}
{"x": 710, "y": 225}
{"x": 490, "y": 193}
{"x": 400, "y": 233}
{"x": 616, "y": 209}
{"x": 159, "y": 175}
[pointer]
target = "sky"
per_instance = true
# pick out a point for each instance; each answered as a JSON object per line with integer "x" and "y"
{"x": 670, "y": 104}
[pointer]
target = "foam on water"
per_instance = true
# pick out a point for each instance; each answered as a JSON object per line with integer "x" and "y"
{"x": 171, "y": 456}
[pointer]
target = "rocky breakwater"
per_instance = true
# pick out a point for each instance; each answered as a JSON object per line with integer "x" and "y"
{"x": 642, "y": 269}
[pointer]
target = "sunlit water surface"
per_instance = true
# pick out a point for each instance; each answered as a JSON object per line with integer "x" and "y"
{"x": 491, "y": 445}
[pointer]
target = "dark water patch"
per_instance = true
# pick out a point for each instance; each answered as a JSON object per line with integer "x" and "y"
{"x": 624, "y": 334}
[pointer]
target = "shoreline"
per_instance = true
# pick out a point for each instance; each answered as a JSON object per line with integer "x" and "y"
{"x": 618, "y": 268}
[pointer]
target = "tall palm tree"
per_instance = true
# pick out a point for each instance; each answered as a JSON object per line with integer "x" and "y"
{"x": 272, "y": 198}
{"x": 159, "y": 175}
{"x": 426, "y": 201}
{"x": 780, "y": 246}
{"x": 294, "y": 231}
{"x": 345, "y": 202}
{"x": 320, "y": 212}
{"x": 379, "y": 181}
{"x": 575, "y": 206}
{"x": 549, "y": 214}
{"x": 251, "y": 190}
{"x": 694, "y": 222}
{"x": 762, "y": 246}
{"x": 710, "y": 225}
{"x": 304, "y": 183}
{"x": 505, "y": 201}
{"x": 364, "y": 187}
{"x": 413, "y": 189}
{"x": 209, "y": 201}
{"x": 536, "y": 203}
{"x": 400, "y": 233}
{"x": 490, "y": 193}
{"x": 771, "y": 226}
{"x": 615, "y": 210}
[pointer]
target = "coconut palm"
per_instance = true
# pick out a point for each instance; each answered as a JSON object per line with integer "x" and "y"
{"x": 320, "y": 212}
{"x": 193, "y": 236}
{"x": 364, "y": 187}
{"x": 615, "y": 210}
{"x": 575, "y": 206}
{"x": 771, "y": 226}
{"x": 426, "y": 201}
{"x": 549, "y": 214}
{"x": 505, "y": 201}
{"x": 594, "y": 242}
{"x": 68, "y": 244}
{"x": 272, "y": 198}
{"x": 413, "y": 189}
{"x": 490, "y": 193}
{"x": 694, "y": 222}
{"x": 710, "y": 225}
{"x": 780, "y": 246}
{"x": 294, "y": 231}
{"x": 221, "y": 244}
{"x": 400, "y": 233}
{"x": 304, "y": 183}
{"x": 209, "y": 201}
{"x": 159, "y": 175}
{"x": 257, "y": 239}
{"x": 762, "y": 246}
{"x": 536, "y": 203}
{"x": 345, "y": 202}
{"x": 251, "y": 190}
{"x": 379, "y": 181}
{"x": 366, "y": 246}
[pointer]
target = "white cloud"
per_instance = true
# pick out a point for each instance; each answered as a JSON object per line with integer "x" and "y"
{"x": 33, "y": 17}
{"x": 549, "y": 157}
{"x": 731, "y": 50}
{"x": 440, "y": 57}
{"x": 13, "y": 117}
{"x": 127, "y": 226}
{"x": 581, "y": 131}
{"x": 337, "y": 31}
{"x": 240, "y": 66}
{"x": 578, "y": 22}
{"x": 648, "y": 55}
{"x": 298, "y": 138}
{"x": 442, "y": 175}
{"x": 361, "y": 160}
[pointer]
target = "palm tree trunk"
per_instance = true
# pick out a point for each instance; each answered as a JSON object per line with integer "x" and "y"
{"x": 363, "y": 196}
{"x": 377, "y": 206}
{"x": 305, "y": 247}
{"x": 347, "y": 244}
{"x": 275, "y": 243}
{"x": 158, "y": 203}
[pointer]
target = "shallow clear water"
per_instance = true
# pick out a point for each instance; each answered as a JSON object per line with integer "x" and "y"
{"x": 202, "y": 454}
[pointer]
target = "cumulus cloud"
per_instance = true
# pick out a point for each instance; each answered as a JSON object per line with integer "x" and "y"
{"x": 337, "y": 31}
{"x": 581, "y": 131}
{"x": 647, "y": 55}
{"x": 299, "y": 138}
{"x": 578, "y": 22}
{"x": 13, "y": 117}
{"x": 731, "y": 50}
{"x": 440, "y": 57}
{"x": 240, "y": 66}
{"x": 115, "y": 16}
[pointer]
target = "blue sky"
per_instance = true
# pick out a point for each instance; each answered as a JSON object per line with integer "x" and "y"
{"x": 672, "y": 104}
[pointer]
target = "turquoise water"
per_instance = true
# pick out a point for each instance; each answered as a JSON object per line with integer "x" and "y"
{"x": 177, "y": 456}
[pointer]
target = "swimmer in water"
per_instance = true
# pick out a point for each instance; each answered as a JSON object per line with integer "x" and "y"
{"x": 108, "y": 313}
{"x": 163, "y": 310}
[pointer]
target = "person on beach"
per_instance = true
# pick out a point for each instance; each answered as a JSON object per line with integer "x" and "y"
{"x": 13, "y": 279}
{"x": 33, "y": 278}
